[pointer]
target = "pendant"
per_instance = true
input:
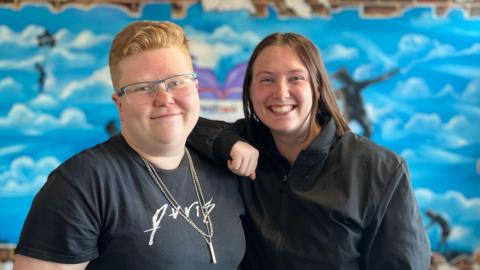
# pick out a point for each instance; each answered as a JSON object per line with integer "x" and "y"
{"x": 212, "y": 252}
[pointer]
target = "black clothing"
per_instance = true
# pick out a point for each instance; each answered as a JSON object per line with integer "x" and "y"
{"x": 102, "y": 206}
{"x": 345, "y": 204}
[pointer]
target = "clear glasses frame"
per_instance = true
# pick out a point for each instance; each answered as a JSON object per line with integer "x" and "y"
{"x": 140, "y": 93}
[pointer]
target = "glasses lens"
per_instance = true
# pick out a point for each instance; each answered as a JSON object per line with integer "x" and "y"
{"x": 140, "y": 93}
{"x": 180, "y": 85}
{"x": 145, "y": 92}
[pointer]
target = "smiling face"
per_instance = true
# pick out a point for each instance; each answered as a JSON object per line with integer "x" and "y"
{"x": 164, "y": 123}
{"x": 280, "y": 92}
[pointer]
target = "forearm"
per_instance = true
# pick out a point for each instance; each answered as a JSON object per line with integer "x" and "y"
{"x": 214, "y": 139}
{"x": 29, "y": 263}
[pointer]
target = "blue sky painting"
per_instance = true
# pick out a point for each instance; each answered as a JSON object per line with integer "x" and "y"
{"x": 428, "y": 112}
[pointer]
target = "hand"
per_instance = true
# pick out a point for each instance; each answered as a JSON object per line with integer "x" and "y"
{"x": 244, "y": 158}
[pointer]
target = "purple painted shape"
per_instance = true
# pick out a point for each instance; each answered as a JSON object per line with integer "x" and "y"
{"x": 234, "y": 82}
{"x": 209, "y": 87}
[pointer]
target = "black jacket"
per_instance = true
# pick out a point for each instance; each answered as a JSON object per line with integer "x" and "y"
{"x": 346, "y": 203}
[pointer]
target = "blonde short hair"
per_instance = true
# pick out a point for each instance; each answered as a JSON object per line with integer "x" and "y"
{"x": 142, "y": 36}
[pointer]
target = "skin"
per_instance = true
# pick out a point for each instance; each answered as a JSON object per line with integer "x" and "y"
{"x": 158, "y": 131}
{"x": 281, "y": 96}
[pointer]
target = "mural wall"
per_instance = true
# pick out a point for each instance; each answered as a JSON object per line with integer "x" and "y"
{"x": 410, "y": 83}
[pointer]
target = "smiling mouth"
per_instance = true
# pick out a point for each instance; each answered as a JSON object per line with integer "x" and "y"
{"x": 282, "y": 108}
{"x": 164, "y": 116}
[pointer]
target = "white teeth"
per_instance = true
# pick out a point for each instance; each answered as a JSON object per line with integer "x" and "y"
{"x": 281, "y": 109}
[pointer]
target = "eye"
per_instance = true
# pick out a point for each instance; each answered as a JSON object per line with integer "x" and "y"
{"x": 141, "y": 88}
{"x": 266, "y": 80}
{"x": 296, "y": 78}
{"x": 175, "y": 83}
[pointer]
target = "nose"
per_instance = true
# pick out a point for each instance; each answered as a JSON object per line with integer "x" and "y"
{"x": 163, "y": 97}
{"x": 282, "y": 89}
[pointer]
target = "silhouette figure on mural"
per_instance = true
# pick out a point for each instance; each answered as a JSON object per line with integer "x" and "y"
{"x": 351, "y": 94}
{"x": 111, "y": 128}
{"x": 46, "y": 39}
{"x": 41, "y": 76}
{"x": 45, "y": 42}
{"x": 436, "y": 218}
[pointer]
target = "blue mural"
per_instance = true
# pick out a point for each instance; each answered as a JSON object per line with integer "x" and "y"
{"x": 422, "y": 99}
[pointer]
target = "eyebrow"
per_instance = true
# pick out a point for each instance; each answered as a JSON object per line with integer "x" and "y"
{"x": 266, "y": 72}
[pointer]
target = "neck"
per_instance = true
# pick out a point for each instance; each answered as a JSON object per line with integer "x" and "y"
{"x": 162, "y": 156}
{"x": 290, "y": 145}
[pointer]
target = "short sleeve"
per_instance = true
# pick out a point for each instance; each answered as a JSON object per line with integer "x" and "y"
{"x": 61, "y": 226}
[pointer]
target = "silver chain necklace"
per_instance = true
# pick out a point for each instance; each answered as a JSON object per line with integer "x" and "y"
{"x": 173, "y": 202}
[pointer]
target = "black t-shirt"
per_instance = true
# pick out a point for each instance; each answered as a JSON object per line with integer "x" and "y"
{"x": 102, "y": 206}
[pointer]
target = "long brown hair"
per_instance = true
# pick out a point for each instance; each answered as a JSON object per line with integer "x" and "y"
{"x": 323, "y": 97}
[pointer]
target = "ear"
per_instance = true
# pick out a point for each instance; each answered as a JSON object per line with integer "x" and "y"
{"x": 118, "y": 102}
{"x": 196, "y": 85}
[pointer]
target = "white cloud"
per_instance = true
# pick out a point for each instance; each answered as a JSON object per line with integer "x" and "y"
{"x": 25, "y": 175}
{"x": 73, "y": 58}
{"x": 20, "y": 117}
{"x": 409, "y": 155}
{"x": 376, "y": 113}
{"x": 9, "y": 84}
{"x": 12, "y": 149}
{"x": 459, "y": 207}
{"x": 21, "y": 64}
{"x": 392, "y": 129}
{"x": 96, "y": 88}
{"x": 457, "y": 122}
{"x": 440, "y": 50}
{"x": 423, "y": 123}
{"x": 87, "y": 39}
{"x": 43, "y": 101}
{"x": 430, "y": 49}
{"x": 472, "y": 92}
{"x": 374, "y": 53}
{"x": 413, "y": 88}
{"x": 208, "y": 49}
{"x": 64, "y": 43}
{"x": 208, "y": 55}
{"x": 448, "y": 92}
{"x": 460, "y": 212}
{"x": 459, "y": 233}
{"x": 26, "y": 38}
{"x": 363, "y": 72}
{"x": 413, "y": 43}
{"x": 225, "y": 33}
{"x": 442, "y": 156}
{"x": 340, "y": 52}
{"x": 426, "y": 20}
{"x": 462, "y": 71}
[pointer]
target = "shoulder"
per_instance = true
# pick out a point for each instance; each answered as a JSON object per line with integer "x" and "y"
{"x": 353, "y": 146}
{"x": 216, "y": 175}
{"x": 374, "y": 169}
{"x": 96, "y": 161}
{"x": 208, "y": 167}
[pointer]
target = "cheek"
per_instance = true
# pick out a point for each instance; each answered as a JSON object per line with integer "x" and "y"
{"x": 189, "y": 103}
{"x": 305, "y": 97}
{"x": 258, "y": 95}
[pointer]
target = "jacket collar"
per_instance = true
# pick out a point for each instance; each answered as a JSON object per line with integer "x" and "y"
{"x": 313, "y": 156}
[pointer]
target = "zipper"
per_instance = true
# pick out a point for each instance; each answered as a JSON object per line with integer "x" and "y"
{"x": 283, "y": 206}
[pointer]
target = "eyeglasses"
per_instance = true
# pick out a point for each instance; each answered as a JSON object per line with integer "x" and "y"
{"x": 145, "y": 92}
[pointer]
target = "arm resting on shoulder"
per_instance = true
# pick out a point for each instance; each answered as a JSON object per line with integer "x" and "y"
{"x": 28, "y": 263}
{"x": 213, "y": 139}
{"x": 220, "y": 141}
